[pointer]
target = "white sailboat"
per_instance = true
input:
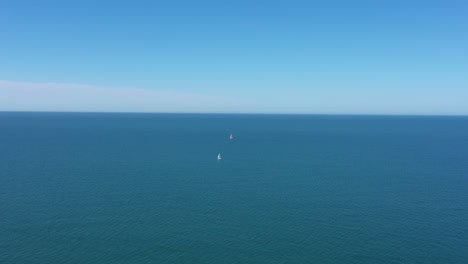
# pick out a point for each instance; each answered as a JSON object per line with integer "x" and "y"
{"x": 219, "y": 156}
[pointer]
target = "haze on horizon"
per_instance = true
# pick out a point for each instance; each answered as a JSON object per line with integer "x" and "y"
{"x": 323, "y": 57}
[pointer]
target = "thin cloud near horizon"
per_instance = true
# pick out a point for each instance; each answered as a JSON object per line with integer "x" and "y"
{"x": 67, "y": 97}
{"x": 30, "y": 96}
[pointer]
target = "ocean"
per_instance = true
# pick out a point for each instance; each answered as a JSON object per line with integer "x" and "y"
{"x": 147, "y": 188}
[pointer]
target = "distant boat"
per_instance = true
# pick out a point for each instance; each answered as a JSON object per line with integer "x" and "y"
{"x": 231, "y": 136}
{"x": 219, "y": 156}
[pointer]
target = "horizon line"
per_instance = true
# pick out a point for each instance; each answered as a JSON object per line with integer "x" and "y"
{"x": 232, "y": 113}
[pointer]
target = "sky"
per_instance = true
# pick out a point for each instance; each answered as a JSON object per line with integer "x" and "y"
{"x": 243, "y": 56}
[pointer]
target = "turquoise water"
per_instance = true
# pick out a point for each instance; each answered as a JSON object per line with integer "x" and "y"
{"x": 147, "y": 188}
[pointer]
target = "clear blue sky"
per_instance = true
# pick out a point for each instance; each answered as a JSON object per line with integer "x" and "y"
{"x": 350, "y": 57}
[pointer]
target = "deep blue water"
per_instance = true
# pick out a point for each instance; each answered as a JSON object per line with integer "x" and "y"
{"x": 147, "y": 188}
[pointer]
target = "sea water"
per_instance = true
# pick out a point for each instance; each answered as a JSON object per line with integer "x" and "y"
{"x": 148, "y": 188}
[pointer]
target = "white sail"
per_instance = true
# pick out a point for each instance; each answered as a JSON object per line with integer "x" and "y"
{"x": 219, "y": 156}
